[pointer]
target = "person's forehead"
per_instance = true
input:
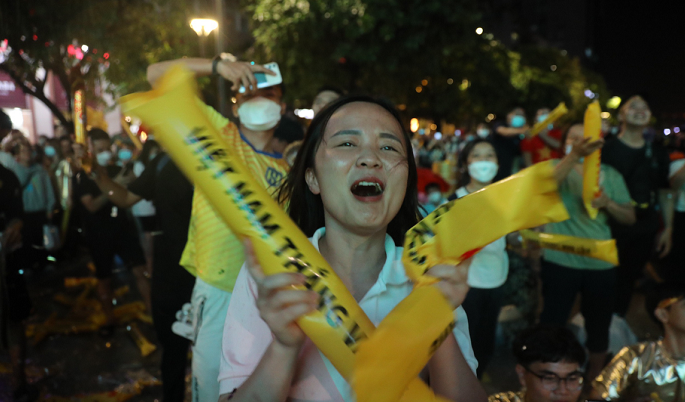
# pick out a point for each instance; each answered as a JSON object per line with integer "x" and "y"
{"x": 360, "y": 115}
{"x": 326, "y": 94}
{"x": 274, "y": 91}
{"x": 561, "y": 369}
{"x": 483, "y": 147}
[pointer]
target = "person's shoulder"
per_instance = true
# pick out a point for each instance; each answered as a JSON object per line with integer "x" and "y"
{"x": 507, "y": 396}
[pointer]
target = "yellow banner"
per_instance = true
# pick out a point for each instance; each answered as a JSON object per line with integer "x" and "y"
{"x": 459, "y": 229}
{"x": 604, "y": 250}
{"x": 553, "y": 116}
{"x": 592, "y": 126}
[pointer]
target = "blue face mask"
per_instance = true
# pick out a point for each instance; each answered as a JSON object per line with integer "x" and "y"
{"x": 50, "y": 151}
{"x": 542, "y": 117}
{"x": 125, "y": 155}
{"x": 518, "y": 121}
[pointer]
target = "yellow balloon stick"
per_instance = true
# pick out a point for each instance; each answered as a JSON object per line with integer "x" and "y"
{"x": 592, "y": 127}
{"x": 553, "y": 116}
{"x": 604, "y": 250}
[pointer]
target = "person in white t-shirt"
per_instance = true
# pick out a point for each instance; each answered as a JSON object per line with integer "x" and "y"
{"x": 674, "y": 261}
{"x": 353, "y": 190}
{"x": 489, "y": 268}
{"x": 144, "y": 211}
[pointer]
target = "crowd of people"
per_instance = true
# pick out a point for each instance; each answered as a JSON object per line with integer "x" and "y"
{"x": 354, "y": 183}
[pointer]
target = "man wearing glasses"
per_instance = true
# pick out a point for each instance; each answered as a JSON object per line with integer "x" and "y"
{"x": 549, "y": 366}
{"x": 653, "y": 370}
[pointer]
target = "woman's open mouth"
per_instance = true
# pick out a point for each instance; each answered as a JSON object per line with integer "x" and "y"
{"x": 368, "y": 189}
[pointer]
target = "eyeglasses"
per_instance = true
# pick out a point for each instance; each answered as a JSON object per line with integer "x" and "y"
{"x": 551, "y": 382}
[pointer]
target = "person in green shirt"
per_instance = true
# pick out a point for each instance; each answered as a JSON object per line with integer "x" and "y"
{"x": 565, "y": 275}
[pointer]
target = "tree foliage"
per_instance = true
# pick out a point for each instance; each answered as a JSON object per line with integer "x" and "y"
{"x": 122, "y": 38}
{"x": 393, "y": 47}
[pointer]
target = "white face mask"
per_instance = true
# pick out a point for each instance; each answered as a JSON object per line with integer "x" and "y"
{"x": 103, "y": 158}
{"x": 259, "y": 114}
{"x": 483, "y": 132}
{"x": 435, "y": 198}
{"x": 483, "y": 171}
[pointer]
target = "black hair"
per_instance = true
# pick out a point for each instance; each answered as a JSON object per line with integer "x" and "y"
{"x": 65, "y": 137}
{"x": 5, "y": 121}
{"x": 430, "y": 186}
{"x": 331, "y": 88}
{"x": 289, "y": 130}
{"x": 660, "y": 293}
{"x": 306, "y": 208}
{"x": 548, "y": 344}
{"x": 98, "y": 134}
{"x": 463, "y": 160}
{"x": 149, "y": 145}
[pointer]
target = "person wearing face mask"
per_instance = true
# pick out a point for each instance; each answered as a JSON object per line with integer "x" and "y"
{"x": 506, "y": 140}
{"x": 434, "y": 198}
{"x": 213, "y": 253}
{"x": 564, "y": 275}
{"x": 483, "y": 131}
{"x": 489, "y": 268}
{"x": 544, "y": 146}
{"x": 107, "y": 229}
{"x": 644, "y": 166}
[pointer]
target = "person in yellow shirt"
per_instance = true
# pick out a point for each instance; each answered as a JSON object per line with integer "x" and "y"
{"x": 213, "y": 253}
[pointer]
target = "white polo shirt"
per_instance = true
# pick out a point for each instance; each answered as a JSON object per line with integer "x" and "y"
{"x": 490, "y": 267}
{"x": 246, "y": 335}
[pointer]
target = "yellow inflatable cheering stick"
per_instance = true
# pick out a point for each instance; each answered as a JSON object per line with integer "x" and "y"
{"x": 604, "y": 250}
{"x": 592, "y": 127}
{"x": 553, "y": 116}
{"x": 390, "y": 358}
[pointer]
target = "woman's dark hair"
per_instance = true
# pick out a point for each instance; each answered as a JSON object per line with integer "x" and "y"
{"x": 147, "y": 149}
{"x": 463, "y": 161}
{"x": 306, "y": 208}
{"x": 97, "y": 134}
{"x": 548, "y": 344}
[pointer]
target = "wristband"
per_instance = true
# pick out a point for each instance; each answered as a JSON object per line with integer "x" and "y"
{"x": 215, "y": 62}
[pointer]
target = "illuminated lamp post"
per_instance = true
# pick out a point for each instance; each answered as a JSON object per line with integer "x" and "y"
{"x": 203, "y": 27}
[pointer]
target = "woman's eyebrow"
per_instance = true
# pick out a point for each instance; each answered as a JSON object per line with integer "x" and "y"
{"x": 347, "y": 132}
{"x": 391, "y": 137}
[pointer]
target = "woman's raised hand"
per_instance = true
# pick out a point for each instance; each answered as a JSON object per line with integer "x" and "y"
{"x": 279, "y": 301}
{"x": 453, "y": 279}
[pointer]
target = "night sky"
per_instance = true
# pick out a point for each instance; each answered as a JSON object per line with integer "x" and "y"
{"x": 641, "y": 49}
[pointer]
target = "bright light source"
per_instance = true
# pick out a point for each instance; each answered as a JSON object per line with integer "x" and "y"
{"x": 464, "y": 84}
{"x": 457, "y": 133}
{"x": 434, "y": 126}
{"x": 128, "y": 119}
{"x": 553, "y": 67}
{"x": 479, "y": 31}
{"x": 438, "y": 136}
{"x": 84, "y": 48}
{"x": 614, "y": 102}
{"x": 134, "y": 128}
{"x": 676, "y": 130}
{"x": 414, "y": 125}
{"x": 605, "y": 115}
{"x": 304, "y": 113}
{"x": 490, "y": 117}
{"x": 419, "y": 89}
{"x": 588, "y": 93}
{"x": 17, "y": 117}
{"x": 667, "y": 131}
{"x": 203, "y": 26}
{"x": 450, "y": 81}
{"x": 424, "y": 82}
{"x": 143, "y": 136}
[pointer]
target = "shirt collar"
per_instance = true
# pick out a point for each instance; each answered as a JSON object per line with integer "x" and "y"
{"x": 392, "y": 272}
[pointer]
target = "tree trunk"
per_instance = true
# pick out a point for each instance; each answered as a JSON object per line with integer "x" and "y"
{"x": 38, "y": 95}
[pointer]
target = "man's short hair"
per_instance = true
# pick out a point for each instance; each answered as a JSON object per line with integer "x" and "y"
{"x": 548, "y": 344}
{"x": 432, "y": 186}
{"x": 5, "y": 121}
{"x": 660, "y": 293}
{"x": 98, "y": 134}
{"x": 288, "y": 130}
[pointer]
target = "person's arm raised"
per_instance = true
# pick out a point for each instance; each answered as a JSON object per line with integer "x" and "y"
{"x": 238, "y": 72}
{"x": 580, "y": 150}
{"x": 280, "y": 304}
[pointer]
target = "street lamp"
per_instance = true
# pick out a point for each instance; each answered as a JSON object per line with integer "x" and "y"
{"x": 203, "y": 27}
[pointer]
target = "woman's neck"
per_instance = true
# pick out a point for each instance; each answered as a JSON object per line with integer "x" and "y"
{"x": 632, "y": 136}
{"x": 475, "y": 185}
{"x": 357, "y": 259}
{"x": 674, "y": 342}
